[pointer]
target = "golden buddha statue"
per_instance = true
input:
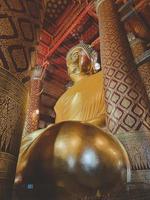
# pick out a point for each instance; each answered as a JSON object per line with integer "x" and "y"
{"x": 74, "y": 153}
{"x": 84, "y": 101}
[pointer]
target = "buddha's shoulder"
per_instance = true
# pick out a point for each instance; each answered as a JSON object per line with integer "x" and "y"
{"x": 92, "y": 79}
{"x": 97, "y": 76}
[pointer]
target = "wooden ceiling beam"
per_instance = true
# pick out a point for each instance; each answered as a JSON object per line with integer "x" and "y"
{"x": 96, "y": 42}
{"x": 132, "y": 8}
{"x": 58, "y": 75}
{"x": 44, "y": 35}
{"x": 69, "y": 30}
{"x": 55, "y": 84}
{"x": 56, "y": 78}
{"x": 93, "y": 14}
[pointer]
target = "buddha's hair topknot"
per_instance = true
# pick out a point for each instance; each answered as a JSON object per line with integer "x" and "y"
{"x": 87, "y": 48}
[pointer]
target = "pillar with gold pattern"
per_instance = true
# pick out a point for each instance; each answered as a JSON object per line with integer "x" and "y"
{"x": 20, "y": 23}
{"x": 126, "y": 99}
{"x": 127, "y": 103}
{"x": 32, "y": 118}
{"x": 138, "y": 47}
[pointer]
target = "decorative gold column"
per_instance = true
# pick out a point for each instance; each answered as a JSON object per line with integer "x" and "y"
{"x": 32, "y": 118}
{"x": 127, "y": 103}
{"x": 138, "y": 47}
{"x": 20, "y": 23}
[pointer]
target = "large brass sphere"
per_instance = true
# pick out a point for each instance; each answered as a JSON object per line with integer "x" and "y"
{"x": 87, "y": 159}
{"x": 79, "y": 157}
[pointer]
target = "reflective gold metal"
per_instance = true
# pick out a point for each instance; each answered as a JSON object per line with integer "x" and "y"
{"x": 84, "y": 101}
{"x": 20, "y": 27}
{"x": 77, "y": 156}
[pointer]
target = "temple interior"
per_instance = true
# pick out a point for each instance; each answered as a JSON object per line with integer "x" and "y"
{"x": 74, "y": 99}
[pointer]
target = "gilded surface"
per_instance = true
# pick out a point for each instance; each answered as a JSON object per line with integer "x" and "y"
{"x": 19, "y": 33}
{"x": 81, "y": 151}
{"x": 12, "y": 112}
{"x": 72, "y": 155}
{"x": 84, "y": 101}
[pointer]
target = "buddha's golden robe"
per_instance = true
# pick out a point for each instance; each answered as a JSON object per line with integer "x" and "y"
{"x": 84, "y": 101}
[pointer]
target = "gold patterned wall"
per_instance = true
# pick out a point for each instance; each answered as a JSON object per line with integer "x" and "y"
{"x": 20, "y": 23}
{"x": 12, "y": 109}
{"x": 12, "y": 114}
{"x": 127, "y": 103}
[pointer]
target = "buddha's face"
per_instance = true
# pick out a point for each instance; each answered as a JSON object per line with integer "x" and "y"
{"x": 78, "y": 63}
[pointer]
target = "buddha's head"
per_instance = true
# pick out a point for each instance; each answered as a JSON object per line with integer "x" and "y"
{"x": 81, "y": 61}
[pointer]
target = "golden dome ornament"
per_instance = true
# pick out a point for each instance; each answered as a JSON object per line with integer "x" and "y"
{"x": 87, "y": 159}
{"x": 78, "y": 157}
